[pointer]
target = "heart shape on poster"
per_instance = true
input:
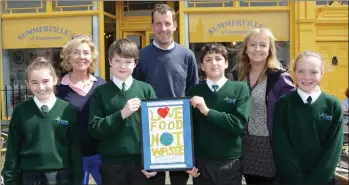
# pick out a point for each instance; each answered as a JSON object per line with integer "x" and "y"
{"x": 163, "y": 112}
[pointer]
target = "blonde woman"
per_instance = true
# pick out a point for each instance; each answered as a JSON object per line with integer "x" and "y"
{"x": 80, "y": 57}
{"x": 267, "y": 80}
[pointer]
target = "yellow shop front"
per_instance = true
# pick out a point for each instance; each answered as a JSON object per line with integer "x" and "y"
{"x": 320, "y": 26}
{"x": 25, "y": 39}
{"x": 231, "y": 28}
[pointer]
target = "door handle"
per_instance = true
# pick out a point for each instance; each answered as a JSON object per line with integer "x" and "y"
{"x": 334, "y": 60}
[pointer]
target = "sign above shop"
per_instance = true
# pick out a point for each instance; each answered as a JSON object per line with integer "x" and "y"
{"x": 43, "y": 32}
{"x": 229, "y": 27}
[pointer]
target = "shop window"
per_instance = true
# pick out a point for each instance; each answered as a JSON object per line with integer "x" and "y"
{"x": 330, "y": 2}
{"x": 110, "y": 7}
{"x": 139, "y": 8}
{"x": 249, "y": 3}
{"x": 63, "y": 5}
{"x": 15, "y": 62}
{"x": 234, "y": 48}
{"x": 9, "y": 7}
{"x": 109, "y": 37}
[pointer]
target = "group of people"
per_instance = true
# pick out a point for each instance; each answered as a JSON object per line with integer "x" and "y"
{"x": 257, "y": 125}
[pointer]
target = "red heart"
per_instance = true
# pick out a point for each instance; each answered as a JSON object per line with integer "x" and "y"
{"x": 163, "y": 112}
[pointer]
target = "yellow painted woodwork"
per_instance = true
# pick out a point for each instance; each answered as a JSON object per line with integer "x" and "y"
{"x": 229, "y": 27}
{"x": 304, "y": 24}
{"x": 43, "y": 32}
{"x": 335, "y": 78}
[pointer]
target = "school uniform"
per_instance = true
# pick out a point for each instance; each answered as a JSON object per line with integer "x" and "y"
{"x": 80, "y": 99}
{"x": 307, "y": 138}
{"x": 218, "y": 136}
{"x": 42, "y": 146}
{"x": 119, "y": 139}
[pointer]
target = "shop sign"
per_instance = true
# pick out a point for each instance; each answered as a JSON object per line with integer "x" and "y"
{"x": 43, "y": 32}
{"x": 229, "y": 27}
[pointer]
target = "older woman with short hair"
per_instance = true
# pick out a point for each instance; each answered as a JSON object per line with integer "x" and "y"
{"x": 80, "y": 57}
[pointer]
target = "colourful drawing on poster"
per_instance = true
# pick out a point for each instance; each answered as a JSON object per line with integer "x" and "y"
{"x": 166, "y": 131}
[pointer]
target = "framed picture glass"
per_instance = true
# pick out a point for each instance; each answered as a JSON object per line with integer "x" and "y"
{"x": 167, "y": 135}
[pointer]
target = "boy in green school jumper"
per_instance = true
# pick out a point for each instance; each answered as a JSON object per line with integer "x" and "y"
{"x": 114, "y": 120}
{"x": 220, "y": 115}
{"x": 43, "y": 146}
{"x": 308, "y": 128}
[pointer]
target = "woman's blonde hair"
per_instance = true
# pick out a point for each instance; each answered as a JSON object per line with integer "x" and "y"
{"x": 71, "y": 45}
{"x": 40, "y": 63}
{"x": 308, "y": 54}
{"x": 272, "y": 62}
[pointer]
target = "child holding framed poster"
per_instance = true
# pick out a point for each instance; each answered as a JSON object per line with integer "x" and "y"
{"x": 220, "y": 115}
{"x": 114, "y": 120}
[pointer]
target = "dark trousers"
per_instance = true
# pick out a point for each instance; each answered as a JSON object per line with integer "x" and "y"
{"x": 176, "y": 178}
{"x": 281, "y": 179}
{"x": 213, "y": 172}
{"x": 114, "y": 174}
{"x": 61, "y": 177}
{"x": 255, "y": 179}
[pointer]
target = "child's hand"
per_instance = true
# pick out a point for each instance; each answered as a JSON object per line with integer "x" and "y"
{"x": 131, "y": 106}
{"x": 149, "y": 174}
{"x": 194, "y": 172}
{"x": 199, "y": 102}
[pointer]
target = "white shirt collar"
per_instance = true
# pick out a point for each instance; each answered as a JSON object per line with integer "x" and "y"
{"x": 314, "y": 96}
{"x": 171, "y": 46}
{"x": 118, "y": 82}
{"x": 219, "y": 82}
{"x": 49, "y": 104}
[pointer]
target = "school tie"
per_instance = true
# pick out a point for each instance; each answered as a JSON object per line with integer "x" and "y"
{"x": 214, "y": 87}
{"x": 309, "y": 100}
{"x": 123, "y": 89}
{"x": 44, "y": 109}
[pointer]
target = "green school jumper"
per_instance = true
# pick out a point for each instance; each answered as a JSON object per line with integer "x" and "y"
{"x": 219, "y": 134}
{"x": 307, "y": 139}
{"x": 42, "y": 143}
{"x": 119, "y": 140}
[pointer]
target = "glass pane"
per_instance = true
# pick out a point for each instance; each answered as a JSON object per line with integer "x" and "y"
{"x": 109, "y": 38}
{"x": 15, "y": 62}
{"x": 110, "y": 7}
{"x": 23, "y": 4}
{"x": 63, "y": 5}
{"x": 139, "y": 8}
{"x": 321, "y": 2}
{"x": 270, "y": 3}
{"x": 209, "y": 4}
{"x": 136, "y": 39}
{"x": 263, "y": 3}
{"x": 25, "y": 7}
{"x": 140, "y": 5}
{"x": 73, "y": 3}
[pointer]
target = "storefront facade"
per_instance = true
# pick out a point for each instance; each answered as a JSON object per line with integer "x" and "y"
{"x": 41, "y": 28}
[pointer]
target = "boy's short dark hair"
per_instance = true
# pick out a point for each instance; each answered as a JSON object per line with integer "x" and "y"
{"x": 162, "y": 9}
{"x": 213, "y": 48}
{"x": 124, "y": 48}
{"x": 347, "y": 92}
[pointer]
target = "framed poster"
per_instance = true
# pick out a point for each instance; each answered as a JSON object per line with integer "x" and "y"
{"x": 167, "y": 135}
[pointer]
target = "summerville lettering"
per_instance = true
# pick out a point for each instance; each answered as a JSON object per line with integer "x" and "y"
{"x": 234, "y": 23}
{"x": 39, "y": 29}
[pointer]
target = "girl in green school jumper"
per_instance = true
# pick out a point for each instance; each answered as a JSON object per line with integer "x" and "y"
{"x": 42, "y": 146}
{"x": 308, "y": 128}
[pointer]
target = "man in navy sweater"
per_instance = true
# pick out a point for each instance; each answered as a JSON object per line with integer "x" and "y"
{"x": 170, "y": 68}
